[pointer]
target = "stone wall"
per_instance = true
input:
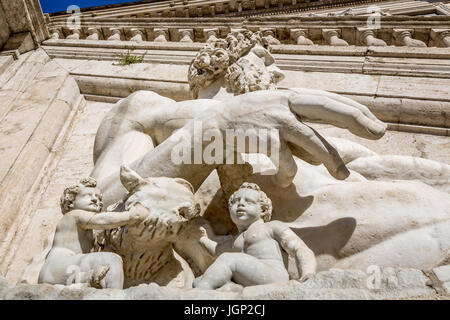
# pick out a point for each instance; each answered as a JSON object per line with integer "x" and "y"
{"x": 47, "y": 129}
{"x": 386, "y": 79}
{"x": 74, "y": 160}
{"x": 28, "y": 252}
{"x": 334, "y": 284}
{"x": 38, "y": 99}
{"x": 23, "y": 16}
{"x": 4, "y": 28}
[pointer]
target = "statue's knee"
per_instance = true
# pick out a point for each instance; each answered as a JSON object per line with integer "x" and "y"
{"x": 115, "y": 260}
{"x": 227, "y": 258}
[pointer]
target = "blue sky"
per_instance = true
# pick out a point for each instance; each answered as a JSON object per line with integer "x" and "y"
{"x": 49, "y": 6}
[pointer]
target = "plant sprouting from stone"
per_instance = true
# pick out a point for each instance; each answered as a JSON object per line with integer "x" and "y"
{"x": 128, "y": 58}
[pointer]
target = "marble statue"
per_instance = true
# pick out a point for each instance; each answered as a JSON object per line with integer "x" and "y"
{"x": 70, "y": 259}
{"x": 136, "y": 125}
{"x": 147, "y": 248}
{"x": 255, "y": 255}
{"x": 394, "y": 208}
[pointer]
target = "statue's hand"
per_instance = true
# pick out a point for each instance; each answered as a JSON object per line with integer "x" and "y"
{"x": 326, "y": 107}
{"x": 286, "y": 112}
{"x": 139, "y": 213}
{"x": 306, "y": 277}
{"x": 194, "y": 230}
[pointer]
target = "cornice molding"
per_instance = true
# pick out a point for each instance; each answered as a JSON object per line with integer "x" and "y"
{"x": 248, "y": 8}
{"x": 277, "y": 29}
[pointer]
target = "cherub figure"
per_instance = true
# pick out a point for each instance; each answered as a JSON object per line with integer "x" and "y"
{"x": 255, "y": 255}
{"x": 70, "y": 259}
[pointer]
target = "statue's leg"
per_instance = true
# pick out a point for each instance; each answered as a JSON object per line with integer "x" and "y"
{"x": 61, "y": 269}
{"x": 394, "y": 167}
{"x": 419, "y": 248}
{"x": 243, "y": 269}
{"x": 123, "y": 150}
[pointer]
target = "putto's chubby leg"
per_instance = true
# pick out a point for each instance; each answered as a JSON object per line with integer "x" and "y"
{"x": 60, "y": 269}
{"x": 242, "y": 269}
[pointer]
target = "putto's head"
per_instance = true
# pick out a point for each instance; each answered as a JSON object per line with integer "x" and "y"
{"x": 242, "y": 60}
{"x": 82, "y": 196}
{"x": 248, "y": 204}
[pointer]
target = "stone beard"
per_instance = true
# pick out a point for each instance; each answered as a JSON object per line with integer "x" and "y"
{"x": 246, "y": 75}
{"x": 242, "y": 60}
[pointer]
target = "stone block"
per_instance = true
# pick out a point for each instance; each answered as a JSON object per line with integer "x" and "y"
{"x": 4, "y": 286}
{"x": 69, "y": 92}
{"x": 414, "y": 88}
{"x": 333, "y": 284}
{"x": 21, "y": 177}
{"x": 446, "y": 287}
{"x": 16, "y": 129}
{"x": 5, "y": 62}
{"x": 16, "y": 15}
{"x": 50, "y": 70}
{"x": 442, "y": 273}
{"x": 7, "y": 97}
{"x": 431, "y": 113}
{"x": 4, "y": 28}
{"x": 338, "y": 279}
{"x": 51, "y": 123}
{"x": 23, "y": 42}
{"x": 25, "y": 16}
{"x": 27, "y": 70}
{"x": 32, "y": 292}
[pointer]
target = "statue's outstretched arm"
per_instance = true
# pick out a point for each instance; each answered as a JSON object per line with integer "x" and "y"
{"x": 267, "y": 110}
{"x": 308, "y": 144}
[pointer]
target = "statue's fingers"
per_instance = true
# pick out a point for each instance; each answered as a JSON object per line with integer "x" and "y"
{"x": 287, "y": 168}
{"x": 338, "y": 98}
{"x": 324, "y": 109}
{"x": 303, "y": 154}
{"x": 303, "y": 136}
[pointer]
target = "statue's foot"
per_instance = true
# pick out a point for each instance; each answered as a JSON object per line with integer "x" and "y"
{"x": 196, "y": 281}
{"x": 231, "y": 287}
{"x": 98, "y": 274}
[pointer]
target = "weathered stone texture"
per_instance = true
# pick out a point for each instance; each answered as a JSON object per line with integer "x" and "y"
{"x": 39, "y": 96}
{"x": 393, "y": 283}
{"x": 25, "y": 16}
{"x": 75, "y": 162}
{"x": 4, "y": 28}
{"x": 398, "y": 143}
{"x": 443, "y": 275}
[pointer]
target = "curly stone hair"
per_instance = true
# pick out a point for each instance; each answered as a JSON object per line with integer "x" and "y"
{"x": 264, "y": 200}
{"x": 71, "y": 192}
{"x": 218, "y": 58}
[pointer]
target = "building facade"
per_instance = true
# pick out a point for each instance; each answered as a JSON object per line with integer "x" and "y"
{"x": 61, "y": 73}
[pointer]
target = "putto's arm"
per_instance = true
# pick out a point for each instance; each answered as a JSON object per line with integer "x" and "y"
{"x": 294, "y": 246}
{"x": 200, "y": 230}
{"x": 222, "y": 244}
{"x": 111, "y": 220}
